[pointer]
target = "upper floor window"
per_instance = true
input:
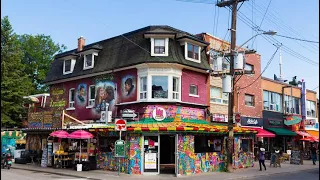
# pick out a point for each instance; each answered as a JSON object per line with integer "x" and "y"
{"x": 272, "y": 101}
{"x": 291, "y": 105}
{"x": 71, "y": 97}
{"x": 193, "y": 52}
{"x": 67, "y": 66}
{"x": 249, "y": 100}
{"x": 159, "y": 46}
{"x": 92, "y": 95}
{"x": 160, "y": 87}
{"x": 143, "y": 87}
{"x": 193, "y": 90}
{"x": 175, "y": 87}
{"x": 217, "y": 96}
{"x": 311, "y": 108}
{"x": 248, "y": 67}
{"x": 89, "y": 60}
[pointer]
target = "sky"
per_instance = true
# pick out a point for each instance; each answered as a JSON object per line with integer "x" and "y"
{"x": 66, "y": 20}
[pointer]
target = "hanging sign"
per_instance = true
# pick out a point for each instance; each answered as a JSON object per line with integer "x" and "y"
{"x": 159, "y": 114}
{"x": 291, "y": 120}
{"x": 119, "y": 148}
{"x": 120, "y": 125}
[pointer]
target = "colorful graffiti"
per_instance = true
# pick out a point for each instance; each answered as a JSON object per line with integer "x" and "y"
{"x": 81, "y": 95}
{"x": 186, "y": 113}
{"x": 57, "y": 97}
{"x": 106, "y": 161}
{"x": 241, "y": 159}
{"x": 134, "y": 164}
{"x": 194, "y": 163}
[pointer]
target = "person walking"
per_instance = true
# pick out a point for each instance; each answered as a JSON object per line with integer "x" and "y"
{"x": 262, "y": 158}
{"x": 313, "y": 154}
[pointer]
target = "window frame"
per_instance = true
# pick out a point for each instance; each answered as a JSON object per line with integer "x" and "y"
{"x": 290, "y": 102}
{"x": 186, "y": 52}
{"x": 94, "y": 55}
{"x": 269, "y": 94}
{"x": 143, "y": 92}
{"x": 166, "y": 47}
{"x": 167, "y": 86}
{"x": 91, "y": 101}
{"x": 176, "y": 94}
{"x": 220, "y": 97}
{"x": 197, "y": 88}
{"x": 71, "y": 104}
{"x": 253, "y": 100}
{"x": 309, "y": 106}
{"x": 252, "y": 68}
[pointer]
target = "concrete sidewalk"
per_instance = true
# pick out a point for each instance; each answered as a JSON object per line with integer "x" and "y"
{"x": 238, "y": 174}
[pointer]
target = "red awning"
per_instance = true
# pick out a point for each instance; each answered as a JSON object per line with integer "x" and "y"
{"x": 310, "y": 138}
{"x": 263, "y": 133}
{"x": 301, "y": 133}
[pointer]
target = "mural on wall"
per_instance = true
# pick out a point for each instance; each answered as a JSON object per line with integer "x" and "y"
{"x": 241, "y": 159}
{"x": 57, "y": 97}
{"x": 81, "y": 95}
{"x": 186, "y": 113}
{"x": 128, "y": 87}
{"x": 134, "y": 164}
{"x": 105, "y": 96}
{"x": 193, "y": 163}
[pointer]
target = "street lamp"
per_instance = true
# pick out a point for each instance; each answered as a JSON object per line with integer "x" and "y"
{"x": 271, "y": 33}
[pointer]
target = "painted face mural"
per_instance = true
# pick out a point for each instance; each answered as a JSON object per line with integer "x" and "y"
{"x": 82, "y": 95}
{"x": 128, "y": 86}
{"x": 105, "y": 96}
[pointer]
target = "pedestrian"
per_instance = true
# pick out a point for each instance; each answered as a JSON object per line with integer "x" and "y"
{"x": 313, "y": 154}
{"x": 262, "y": 158}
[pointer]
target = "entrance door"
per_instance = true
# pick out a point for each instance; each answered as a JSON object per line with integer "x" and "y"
{"x": 151, "y": 154}
{"x": 167, "y": 156}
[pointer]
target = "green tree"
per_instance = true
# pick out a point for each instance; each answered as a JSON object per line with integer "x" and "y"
{"x": 38, "y": 54}
{"x": 14, "y": 82}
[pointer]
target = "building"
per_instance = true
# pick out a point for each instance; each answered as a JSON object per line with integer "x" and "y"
{"x": 156, "y": 78}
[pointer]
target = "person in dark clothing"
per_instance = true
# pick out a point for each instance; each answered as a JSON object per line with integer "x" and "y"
{"x": 262, "y": 158}
{"x": 313, "y": 154}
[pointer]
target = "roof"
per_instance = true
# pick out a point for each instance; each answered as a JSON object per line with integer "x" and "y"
{"x": 127, "y": 50}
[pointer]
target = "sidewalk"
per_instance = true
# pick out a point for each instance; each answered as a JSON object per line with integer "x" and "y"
{"x": 238, "y": 174}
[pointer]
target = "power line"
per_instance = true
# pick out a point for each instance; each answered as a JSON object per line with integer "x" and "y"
{"x": 297, "y": 39}
{"x": 315, "y": 88}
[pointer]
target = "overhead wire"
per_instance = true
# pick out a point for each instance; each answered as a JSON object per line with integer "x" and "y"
{"x": 297, "y": 39}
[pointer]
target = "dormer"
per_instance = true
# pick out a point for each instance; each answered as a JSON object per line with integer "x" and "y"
{"x": 68, "y": 63}
{"x": 89, "y": 54}
{"x": 159, "y": 39}
{"x": 192, "y": 48}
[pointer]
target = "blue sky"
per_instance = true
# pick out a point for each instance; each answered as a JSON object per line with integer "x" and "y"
{"x": 66, "y": 20}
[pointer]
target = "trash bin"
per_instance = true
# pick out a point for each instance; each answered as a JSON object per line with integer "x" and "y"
{"x": 79, "y": 167}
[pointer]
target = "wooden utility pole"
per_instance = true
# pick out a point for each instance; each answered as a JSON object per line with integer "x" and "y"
{"x": 230, "y": 141}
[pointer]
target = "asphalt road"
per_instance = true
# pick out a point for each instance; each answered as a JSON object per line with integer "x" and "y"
{"x": 301, "y": 175}
{"x": 17, "y": 174}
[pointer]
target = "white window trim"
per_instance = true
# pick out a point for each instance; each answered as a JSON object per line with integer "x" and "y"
{"x": 186, "y": 53}
{"x": 221, "y": 97}
{"x": 90, "y": 106}
{"x": 93, "y": 54}
{"x": 194, "y": 95}
{"x": 149, "y": 72}
{"x": 73, "y": 62}
{"x": 166, "y": 52}
{"x": 139, "y": 81}
{"x": 179, "y": 89}
{"x": 254, "y": 103}
{"x": 69, "y": 100}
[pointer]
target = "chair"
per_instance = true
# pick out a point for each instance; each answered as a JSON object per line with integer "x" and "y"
{"x": 285, "y": 157}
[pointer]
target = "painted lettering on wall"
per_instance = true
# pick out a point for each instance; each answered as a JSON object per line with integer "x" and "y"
{"x": 57, "y": 97}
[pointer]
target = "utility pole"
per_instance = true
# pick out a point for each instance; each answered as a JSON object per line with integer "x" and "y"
{"x": 230, "y": 141}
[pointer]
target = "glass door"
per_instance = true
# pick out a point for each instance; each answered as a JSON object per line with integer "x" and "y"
{"x": 151, "y": 154}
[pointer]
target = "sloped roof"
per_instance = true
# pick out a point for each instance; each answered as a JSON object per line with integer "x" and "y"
{"x": 127, "y": 50}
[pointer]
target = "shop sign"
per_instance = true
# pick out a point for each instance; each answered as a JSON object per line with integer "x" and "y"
{"x": 310, "y": 123}
{"x": 119, "y": 148}
{"x": 219, "y": 118}
{"x": 251, "y": 121}
{"x": 159, "y": 114}
{"x": 150, "y": 161}
{"x": 274, "y": 122}
{"x": 292, "y": 120}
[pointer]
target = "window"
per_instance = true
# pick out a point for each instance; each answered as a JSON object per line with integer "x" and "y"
{"x": 246, "y": 145}
{"x": 249, "y": 100}
{"x": 67, "y": 66}
{"x": 193, "y": 52}
{"x": 92, "y": 95}
{"x": 248, "y": 67}
{"x": 311, "y": 108}
{"x": 159, "y": 46}
{"x": 217, "y": 96}
{"x": 292, "y": 105}
{"x": 272, "y": 101}
{"x": 71, "y": 98}
{"x": 89, "y": 60}
{"x": 203, "y": 143}
{"x": 143, "y": 87}
{"x": 160, "y": 87}
{"x": 193, "y": 91}
{"x": 175, "y": 88}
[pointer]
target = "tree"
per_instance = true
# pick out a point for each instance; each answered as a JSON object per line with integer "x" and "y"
{"x": 14, "y": 82}
{"x": 38, "y": 54}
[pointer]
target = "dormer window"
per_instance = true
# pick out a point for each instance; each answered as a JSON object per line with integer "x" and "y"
{"x": 89, "y": 60}
{"x": 159, "y": 46}
{"x": 68, "y": 65}
{"x": 193, "y": 52}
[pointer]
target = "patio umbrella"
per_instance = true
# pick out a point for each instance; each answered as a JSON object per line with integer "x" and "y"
{"x": 60, "y": 134}
{"x": 80, "y": 134}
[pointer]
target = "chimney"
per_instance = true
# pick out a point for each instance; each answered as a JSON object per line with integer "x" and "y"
{"x": 81, "y": 43}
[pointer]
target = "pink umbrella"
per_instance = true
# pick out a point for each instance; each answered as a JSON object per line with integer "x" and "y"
{"x": 80, "y": 134}
{"x": 60, "y": 134}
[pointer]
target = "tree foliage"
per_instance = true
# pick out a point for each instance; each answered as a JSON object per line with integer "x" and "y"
{"x": 14, "y": 82}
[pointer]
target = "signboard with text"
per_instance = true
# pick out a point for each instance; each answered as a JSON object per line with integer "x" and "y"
{"x": 251, "y": 121}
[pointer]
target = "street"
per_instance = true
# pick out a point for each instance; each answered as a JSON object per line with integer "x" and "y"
{"x": 14, "y": 174}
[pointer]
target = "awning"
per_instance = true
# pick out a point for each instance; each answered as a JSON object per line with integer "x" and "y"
{"x": 263, "y": 133}
{"x": 311, "y": 139}
{"x": 301, "y": 133}
{"x": 282, "y": 132}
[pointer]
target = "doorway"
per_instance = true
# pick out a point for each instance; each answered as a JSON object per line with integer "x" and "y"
{"x": 151, "y": 155}
{"x": 167, "y": 150}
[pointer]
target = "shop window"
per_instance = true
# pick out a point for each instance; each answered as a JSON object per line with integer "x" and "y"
{"x": 204, "y": 143}
{"x": 311, "y": 108}
{"x": 249, "y": 100}
{"x": 246, "y": 145}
